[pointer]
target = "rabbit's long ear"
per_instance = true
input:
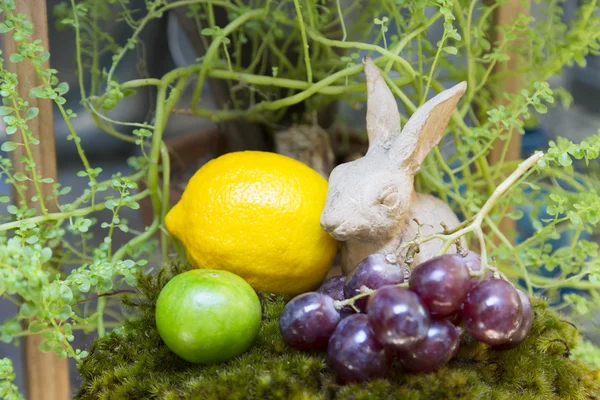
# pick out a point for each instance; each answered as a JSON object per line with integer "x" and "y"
{"x": 425, "y": 128}
{"x": 383, "y": 119}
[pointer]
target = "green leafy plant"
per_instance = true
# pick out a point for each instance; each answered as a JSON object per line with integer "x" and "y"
{"x": 298, "y": 50}
{"x": 588, "y": 353}
{"x": 8, "y": 390}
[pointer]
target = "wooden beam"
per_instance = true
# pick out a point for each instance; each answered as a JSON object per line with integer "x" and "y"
{"x": 47, "y": 375}
{"x": 505, "y": 15}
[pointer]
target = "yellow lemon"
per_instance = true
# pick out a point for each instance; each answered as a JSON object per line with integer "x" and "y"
{"x": 256, "y": 214}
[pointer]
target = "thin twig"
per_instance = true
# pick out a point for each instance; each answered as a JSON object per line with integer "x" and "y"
{"x": 309, "y": 76}
{"x": 105, "y": 294}
{"x": 567, "y": 352}
{"x": 339, "y": 304}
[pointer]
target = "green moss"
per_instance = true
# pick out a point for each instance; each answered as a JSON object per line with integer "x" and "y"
{"x": 133, "y": 363}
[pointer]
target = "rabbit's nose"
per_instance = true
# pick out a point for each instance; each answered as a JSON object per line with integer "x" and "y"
{"x": 329, "y": 223}
{"x": 338, "y": 231}
{"x": 341, "y": 232}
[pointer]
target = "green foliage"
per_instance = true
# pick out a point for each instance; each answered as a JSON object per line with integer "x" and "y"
{"x": 133, "y": 363}
{"x": 52, "y": 302}
{"x": 302, "y": 52}
{"x": 8, "y": 390}
{"x": 589, "y": 353}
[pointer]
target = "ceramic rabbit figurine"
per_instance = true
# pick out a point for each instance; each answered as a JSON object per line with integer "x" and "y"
{"x": 371, "y": 203}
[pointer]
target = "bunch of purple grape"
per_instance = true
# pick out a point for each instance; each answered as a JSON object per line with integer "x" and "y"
{"x": 368, "y": 318}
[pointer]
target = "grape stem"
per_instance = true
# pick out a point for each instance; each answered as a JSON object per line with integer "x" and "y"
{"x": 475, "y": 225}
{"x": 339, "y": 304}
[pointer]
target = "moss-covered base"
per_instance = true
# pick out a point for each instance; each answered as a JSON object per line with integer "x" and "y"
{"x": 133, "y": 363}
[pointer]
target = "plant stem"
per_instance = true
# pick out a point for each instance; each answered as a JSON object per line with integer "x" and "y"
{"x": 474, "y": 159}
{"x": 467, "y": 40}
{"x": 166, "y": 176}
{"x": 339, "y": 304}
{"x": 309, "y": 77}
{"x": 509, "y": 245}
{"x": 341, "y": 17}
{"x": 141, "y": 82}
{"x": 58, "y": 216}
{"x": 484, "y": 167}
{"x": 62, "y": 110}
{"x": 283, "y": 102}
{"x": 100, "y": 317}
{"x": 110, "y": 130}
{"x": 260, "y": 80}
{"x": 363, "y": 46}
{"x": 113, "y": 293}
{"x": 211, "y": 15}
{"x": 34, "y": 174}
{"x": 77, "y": 141}
{"x": 155, "y": 150}
{"x": 448, "y": 171}
{"x": 112, "y": 227}
{"x": 13, "y": 182}
{"x": 117, "y": 59}
{"x": 406, "y": 39}
{"x": 153, "y": 13}
{"x": 78, "y": 50}
{"x": 227, "y": 57}
{"x": 94, "y": 71}
{"x": 214, "y": 47}
{"x": 432, "y": 69}
{"x": 119, "y": 254}
{"x": 112, "y": 121}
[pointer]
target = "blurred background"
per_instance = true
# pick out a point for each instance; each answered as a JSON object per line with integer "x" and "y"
{"x": 166, "y": 46}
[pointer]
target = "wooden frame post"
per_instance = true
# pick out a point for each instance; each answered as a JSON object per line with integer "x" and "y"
{"x": 505, "y": 15}
{"x": 47, "y": 375}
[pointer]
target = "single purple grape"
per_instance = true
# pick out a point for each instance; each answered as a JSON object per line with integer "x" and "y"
{"x": 525, "y": 326}
{"x": 308, "y": 320}
{"x": 334, "y": 288}
{"x": 373, "y": 272}
{"x": 398, "y": 317}
{"x": 442, "y": 283}
{"x": 493, "y": 312}
{"x": 354, "y": 353}
{"x": 432, "y": 353}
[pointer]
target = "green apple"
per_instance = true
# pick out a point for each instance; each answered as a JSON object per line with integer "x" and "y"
{"x": 208, "y": 316}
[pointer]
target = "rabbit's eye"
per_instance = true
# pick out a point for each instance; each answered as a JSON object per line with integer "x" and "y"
{"x": 390, "y": 199}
